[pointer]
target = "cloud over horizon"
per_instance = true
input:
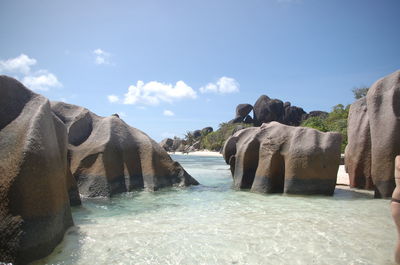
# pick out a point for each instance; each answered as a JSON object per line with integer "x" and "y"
{"x": 20, "y": 67}
{"x": 152, "y": 93}
{"x": 20, "y": 64}
{"x": 41, "y": 80}
{"x": 224, "y": 85}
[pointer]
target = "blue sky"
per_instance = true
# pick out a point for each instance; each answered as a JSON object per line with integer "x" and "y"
{"x": 173, "y": 66}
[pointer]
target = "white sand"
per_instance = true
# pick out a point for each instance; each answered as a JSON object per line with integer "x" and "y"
{"x": 198, "y": 153}
{"x": 342, "y": 176}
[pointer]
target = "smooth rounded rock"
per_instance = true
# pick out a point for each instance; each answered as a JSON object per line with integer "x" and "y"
{"x": 276, "y": 158}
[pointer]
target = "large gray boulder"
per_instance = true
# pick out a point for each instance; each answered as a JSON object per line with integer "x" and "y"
{"x": 242, "y": 110}
{"x": 267, "y": 110}
{"x": 293, "y": 115}
{"x": 279, "y": 158}
{"x": 383, "y": 107}
{"x": 35, "y": 178}
{"x": 206, "y": 130}
{"x": 108, "y": 156}
{"x": 358, "y": 150}
{"x": 373, "y": 138}
{"x": 196, "y": 133}
{"x": 167, "y": 144}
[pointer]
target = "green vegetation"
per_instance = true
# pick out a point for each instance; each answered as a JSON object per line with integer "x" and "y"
{"x": 335, "y": 122}
{"x": 360, "y": 92}
{"x": 189, "y": 138}
{"x": 215, "y": 141}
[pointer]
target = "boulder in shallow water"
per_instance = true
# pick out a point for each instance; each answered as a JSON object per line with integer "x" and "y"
{"x": 276, "y": 158}
{"x": 108, "y": 156}
{"x": 383, "y": 108}
{"x": 35, "y": 178}
{"x": 373, "y": 138}
{"x": 358, "y": 149}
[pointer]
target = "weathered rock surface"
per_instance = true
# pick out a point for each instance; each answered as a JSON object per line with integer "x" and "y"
{"x": 167, "y": 144}
{"x": 383, "y": 107}
{"x": 358, "y": 149}
{"x": 279, "y": 158}
{"x": 317, "y": 113}
{"x": 178, "y": 144}
{"x": 267, "y": 110}
{"x": 373, "y": 138}
{"x": 293, "y": 115}
{"x": 242, "y": 110}
{"x": 206, "y": 130}
{"x": 248, "y": 120}
{"x": 35, "y": 178}
{"x": 196, "y": 133}
{"x": 108, "y": 156}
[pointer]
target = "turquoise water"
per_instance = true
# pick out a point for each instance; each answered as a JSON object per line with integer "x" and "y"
{"x": 213, "y": 224}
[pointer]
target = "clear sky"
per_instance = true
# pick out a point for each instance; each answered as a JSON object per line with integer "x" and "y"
{"x": 170, "y": 66}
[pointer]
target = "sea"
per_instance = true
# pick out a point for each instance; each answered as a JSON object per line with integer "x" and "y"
{"x": 214, "y": 224}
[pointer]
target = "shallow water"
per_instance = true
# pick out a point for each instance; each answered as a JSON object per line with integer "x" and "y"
{"x": 213, "y": 224}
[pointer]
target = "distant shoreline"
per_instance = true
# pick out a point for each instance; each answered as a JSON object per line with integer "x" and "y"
{"x": 197, "y": 153}
{"x": 342, "y": 176}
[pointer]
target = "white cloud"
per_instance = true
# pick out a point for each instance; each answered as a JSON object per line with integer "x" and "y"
{"x": 168, "y": 113}
{"x": 20, "y": 68}
{"x": 41, "y": 80}
{"x": 224, "y": 85}
{"x": 21, "y": 64}
{"x": 152, "y": 93}
{"x": 101, "y": 56}
{"x": 113, "y": 98}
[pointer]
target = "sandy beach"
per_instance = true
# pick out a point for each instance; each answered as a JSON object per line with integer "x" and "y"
{"x": 342, "y": 176}
{"x": 197, "y": 153}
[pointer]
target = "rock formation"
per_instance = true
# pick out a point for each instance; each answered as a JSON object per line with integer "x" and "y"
{"x": 179, "y": 145}
{"x": 267, "y": 110}
{"x": 206, "y": 130}
{"x": 35, "y": 178}
{"x": 317, "y": 113}
{"x": 358, "y": 150}
{"x": 108, "y": 156}
{"x": 196, "y": 133}
{"x": 167, "y": 144}
{"x": 242, "y": 113}
{"x": 373, "y": 137}
{"x": 293, "y": 115}
{"x": 278, "y": 158}
{"x": 383, "y": 107}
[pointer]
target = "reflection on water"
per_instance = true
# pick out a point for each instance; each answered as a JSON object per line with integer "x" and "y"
{"x": 213, "y": 224}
